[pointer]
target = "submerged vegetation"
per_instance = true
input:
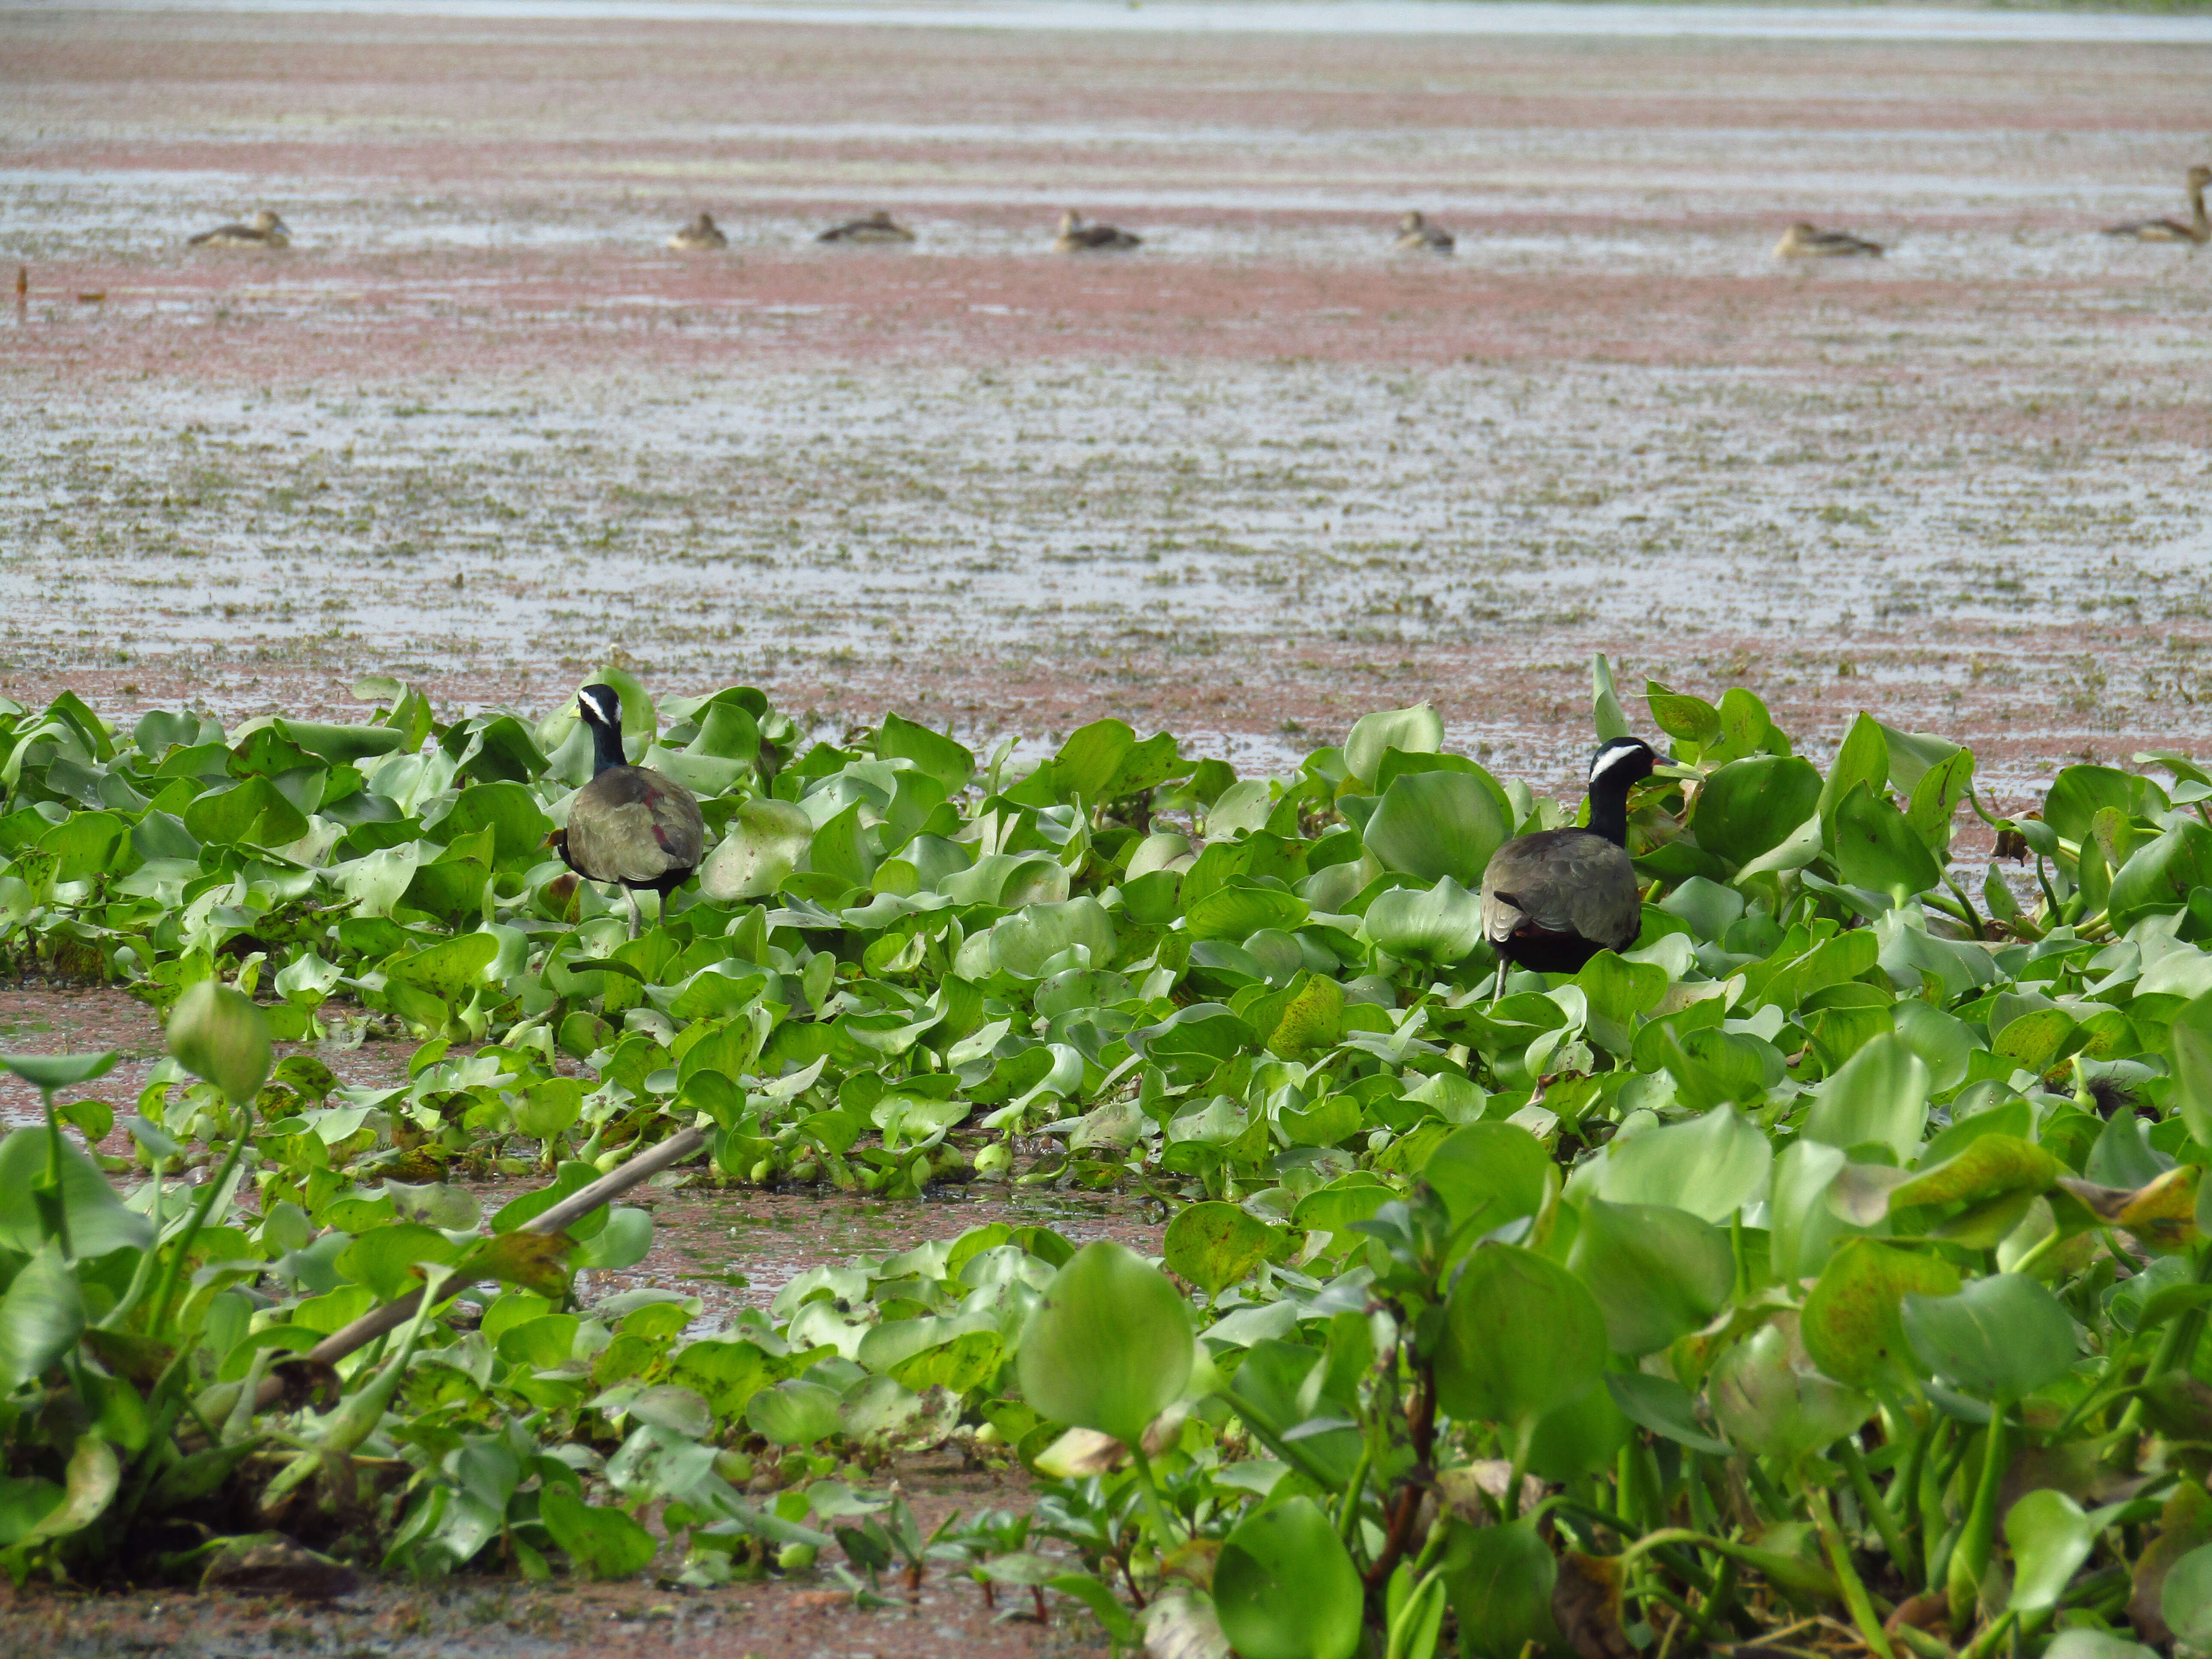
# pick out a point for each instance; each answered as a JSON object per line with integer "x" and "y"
{"x": 1831, "y": 1260}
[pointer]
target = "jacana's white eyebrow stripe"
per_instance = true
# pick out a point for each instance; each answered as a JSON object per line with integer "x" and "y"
{"x": 1612, "y": 755}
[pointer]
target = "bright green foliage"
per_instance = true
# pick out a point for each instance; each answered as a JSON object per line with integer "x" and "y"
{"x": 1745, "y": 1241}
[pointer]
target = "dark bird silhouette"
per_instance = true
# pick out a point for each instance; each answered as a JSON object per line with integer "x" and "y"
{"x": 2197, "y": 230}
{"x": 1554, "y": 900}
{"x": 1076, "y": 237}
{"x": 266, "y": 230}
{"x": 876, "y": 227}
{"x": 628, "y": 824}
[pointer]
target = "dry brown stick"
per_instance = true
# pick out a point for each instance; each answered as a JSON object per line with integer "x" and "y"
{"x": 392, "y": 1314}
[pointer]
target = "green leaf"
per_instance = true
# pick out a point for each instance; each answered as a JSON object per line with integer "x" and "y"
{"x": 1023, "y": 942}
{"x": 2190, "y": 1059}
{"x": 794, "y": 1412}
{"x": 1110, "y": 1345}
{"x": 1499, "y": 1580}
{"x": 762, "y": 844}
{"x": 1664, "y": 1407}
{"x": 98, "y": 1222}
{"x": 1864, "y": 758}
{"x": 2003, "y": 1337}
{"x": 604, "y": 1543}
{"x": 938, "y": 756}
{"x": 1312, "y": 1018}
{"x": 1415, "y": 731}
{"x": 93, "y": 1474}
{"x": 41, "y": 1317}
{"x": 1877, "y": 848}
{"x": 2184, "y": 1600}
{"x": 1241, "y": 909}
{"x": 1879, "y": 1096}
{"x": 2158, "y": 875}
{"x": 52, "y": 1071}
{"x": 1214, "y": 1245}
{"x": 1769, "y": 1399}
{"x": 1711, "y": 1165}
{"x": 253, "y": 812}
{"x": 450, "y": 969}
{"x": 1443, "y": 924}
{"x": 1438, "y": 824}
{"x": 1851, "y": 1324}
{"x": 1656, "y": 1272}
{"x": 219, "y": 1035}
{"x": 1558, "y": 1350}
{"x": 1285, "y": 1587}
{"x": 1749, "y": 807}
{"x": 2050, "y": 1538}
{"x": 1489, "y": 1174}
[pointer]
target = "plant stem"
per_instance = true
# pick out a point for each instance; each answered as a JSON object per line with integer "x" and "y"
{"x": 1870, "y": 1500}
{"x": 1839, "y": 1561}
{"x": 60, "y": 1214}
{"x": 1970, "y": 1558}
{"x": 1159, "y": 1511}
{"x": 1347, "y": 1513}
{"x": 174, "y": 1267}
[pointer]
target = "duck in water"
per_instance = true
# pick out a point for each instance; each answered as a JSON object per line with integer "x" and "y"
{"x": 702, "y": 235}
{"x": 266, "y": 230}
{"x": 1416, "y": 235}
{"x": 1076, "y": 237}
{"x": 876, "y": 227}
{"x": 2197, "y": 231}
{"x": 1803, "y": 241}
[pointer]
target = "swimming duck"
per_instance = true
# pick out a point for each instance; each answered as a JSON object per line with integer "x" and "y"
{"x": 1076, "y": 237}
{"x": 1416, "y": 235}
{"x": 1803, "y": 242}
{"x": 2196, "y": 232}
{"x": 702, "y": 235}
{"x": 266, "y": 230}
{"x": 876, "y": 227}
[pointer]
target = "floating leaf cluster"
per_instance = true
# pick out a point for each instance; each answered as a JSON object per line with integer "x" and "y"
{"x": 1834, "y": 1252}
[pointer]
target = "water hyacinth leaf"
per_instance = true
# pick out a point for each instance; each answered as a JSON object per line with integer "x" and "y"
{"x": 1665, "y": 1407}
{"x": 1608, "y": 718}
{"x": 448, "y": 969}
{"x": 1851, "y": 1325}
{"x": 1558, "y": 1351}
{"x": 1879, "y": 1095}
{"x": 1679, "y": 714}
{"x": 2160, "y": 875}
{"x": 1214, "y": 1245}
{"x": 1749, "y": 807}
{"x": 1023, "y": 942}
{"x": 1877, "y": 848}
{"x": 41, "y": 1316}
{"x": 793, "y": 1412}
{"x": 1239, "y": 910}
{"x": 1415, "y": 731}
{"x": 1769, "y": 1399}
{"x": 51, "y": 1072}
{"x": 1285, "y": 1586}
{"x": 1710, "y": 1165}
{"x": 1863, "y": 758}
{"x": 1489, "y": 1174}
{"x": 604, "y": 1543}
{"x": 2190, "y": 1059}
{"x": 1110, "y": 1345}
{"x": 219, "y": 1035}
{"x": 1656, "y": 1273}
{"x": 92, "y": 1478}
{"x": 2185, "y": 1599}
{"x": 97, "y": 1220}
{"x": 2050, "y": 1538}
{"x": 1438, "y": 824}
{"x": 1579, "y": 1439}
{"x": 1499, "y": 1580}
{"x": 2000, "y": 1338}
{"x": 937, "y": 755}
{"x": 2086, "y": 1643}
{"x": 1994, "y": 1178}
{"x": 1443, "y": 924}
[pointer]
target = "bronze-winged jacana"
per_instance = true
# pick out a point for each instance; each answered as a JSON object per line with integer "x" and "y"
{"x": 1553, "y": 900}
{"x": 628, "y": 824}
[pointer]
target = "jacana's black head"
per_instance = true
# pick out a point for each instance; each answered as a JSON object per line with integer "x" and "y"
{"x": 600, "y": 707}
{"x": 1618, "y": 766}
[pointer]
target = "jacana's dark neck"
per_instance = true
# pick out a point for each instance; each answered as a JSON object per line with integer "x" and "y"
{"x": 1609, "y": 810}
{"x": 606, "y": 750}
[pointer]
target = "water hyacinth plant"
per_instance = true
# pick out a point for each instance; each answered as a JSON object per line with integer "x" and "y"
{"x": 1832, "y": 1253}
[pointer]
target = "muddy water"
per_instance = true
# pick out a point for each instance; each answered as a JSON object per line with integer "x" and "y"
{"x": 479, "y": 428}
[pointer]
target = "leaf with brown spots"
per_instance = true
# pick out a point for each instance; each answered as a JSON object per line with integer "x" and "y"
{"x": 1586, "y": 1605}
